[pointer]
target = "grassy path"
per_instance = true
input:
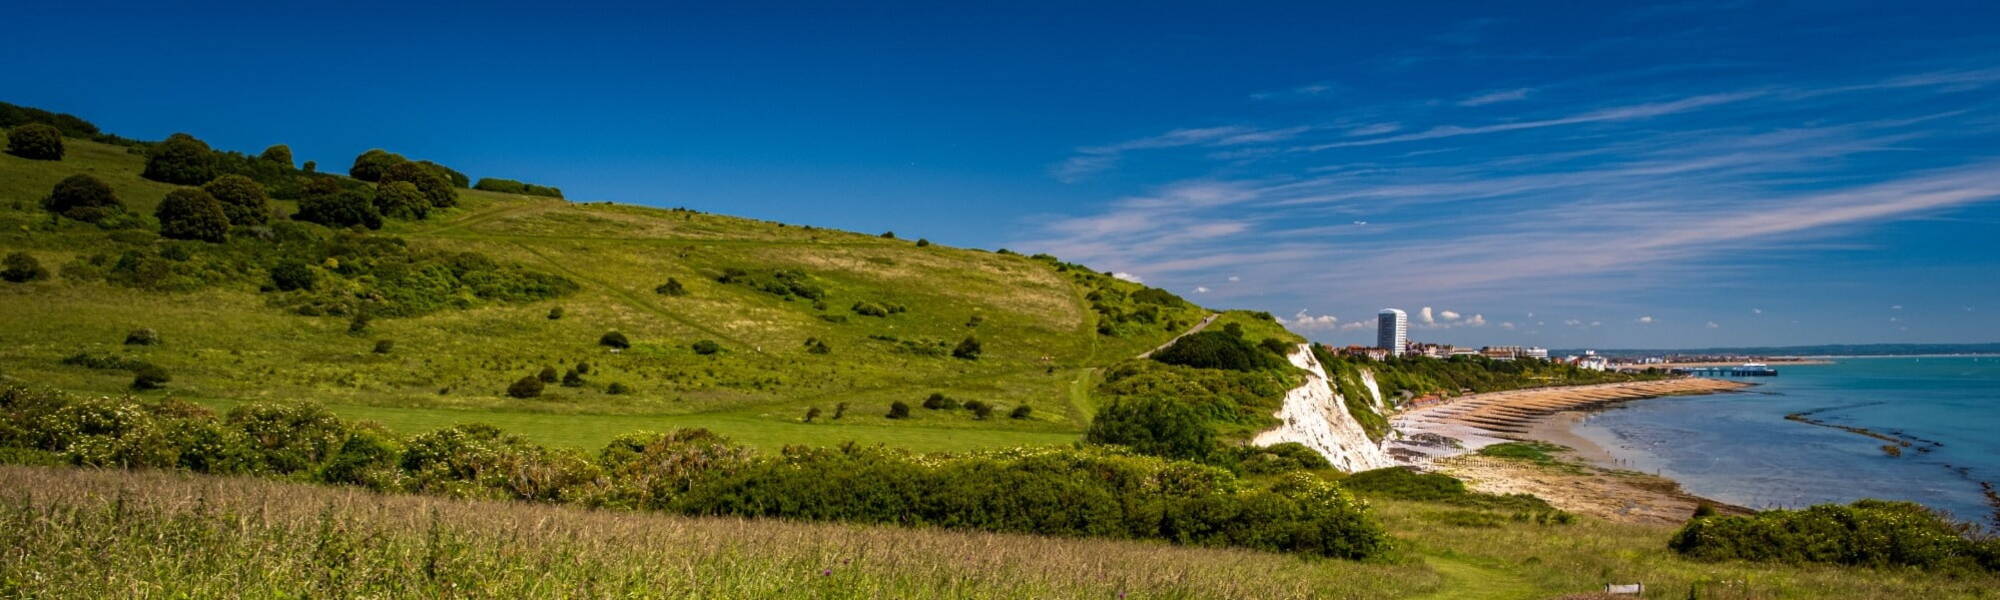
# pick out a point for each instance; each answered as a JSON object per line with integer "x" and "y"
{"x": 1467, "y": 581}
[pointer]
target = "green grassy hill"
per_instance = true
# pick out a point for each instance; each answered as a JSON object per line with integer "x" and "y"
{"x": 1043, "y": 326}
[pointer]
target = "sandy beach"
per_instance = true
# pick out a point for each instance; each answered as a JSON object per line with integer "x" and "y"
{"x": 1585, "y": 479}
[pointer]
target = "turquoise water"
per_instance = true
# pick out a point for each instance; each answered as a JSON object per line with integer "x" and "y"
{"x": 1738, "y": 447}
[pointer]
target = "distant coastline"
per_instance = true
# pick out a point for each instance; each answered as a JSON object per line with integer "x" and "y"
{"x": 1803, "y": 351}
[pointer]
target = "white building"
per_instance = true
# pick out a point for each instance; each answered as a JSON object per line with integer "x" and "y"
{"x": 1392, "y": 330}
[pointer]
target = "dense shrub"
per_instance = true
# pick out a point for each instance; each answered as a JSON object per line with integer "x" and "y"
{"x": 386, "y": 277}
{"x": 572, "y": 378}
{"x": 192, "y": 214}
{"x": 384, "y": 346}
{"x": 347, "y": 208}
{"x": 1404, "y": 483}
{"x": 555, "y": 313}
{"x": 1276, "y": 347}
{"x": 547, "y": 375}
{"x": 980, "y": 409}
{"x": 150, "y": 377}
{"x": 20, "y": 267}
{"x": 450, "y": 175}
{"x": 181, "y": 159}
{"x": 1153, "y": 426}
{"x": 83, "y": 198}
{"x": 939, "y": 401}
{"x": 290, "y": 275}
{"x": 243, "y": 200}
{"x": 672, "y": 287}
{"x": 510, "y": 186}
{"x": 1279, "y": 458}
{"x": 281, "y": 154}
{"x": 1216, "y": 350}
{"x": 142, "y": 337}
{"x": 706, "y": 347}
{"x": 401, "y": 200}
{"x": 1021, "y": 412}
{"x": 370, "y": 165}
{"x": 817, "y": 346}
{"x": 899, "y": 410}
{"x": 1874, "y": 533}
{"x": 923, "y": 243}
{"x": 435, "y": 188}
{"x": 618, "y": 388}
{"x": 614, "y": 339}
{"x": 35, "y": 141}
{"x": 1047, "y": 491}
{"x": 780, "y": 282}
{"x": 311, "y": 166}
{"x": 967, "y": 349}
{"x": 870, "y": 309}
{"x": 526, "y": 387}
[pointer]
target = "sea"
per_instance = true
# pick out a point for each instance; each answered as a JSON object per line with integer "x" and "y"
{"x": 1739, "y": 447}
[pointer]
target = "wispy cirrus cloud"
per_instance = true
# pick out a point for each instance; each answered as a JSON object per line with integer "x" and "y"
{"x": 1497, "y": 96}
{"x": 1092, "y": 159}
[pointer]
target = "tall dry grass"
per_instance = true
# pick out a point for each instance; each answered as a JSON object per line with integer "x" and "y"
{"x": 70, "y": 533}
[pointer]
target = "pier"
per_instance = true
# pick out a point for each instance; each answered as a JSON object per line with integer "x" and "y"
{"x": 1746, "y": 370}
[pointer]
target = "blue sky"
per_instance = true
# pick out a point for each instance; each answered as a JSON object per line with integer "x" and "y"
{"x": 1674, "y": 175}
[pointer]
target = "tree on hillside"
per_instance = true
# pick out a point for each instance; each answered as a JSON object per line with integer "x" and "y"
{"x": 83, "y": 198}
{"x": 310, "y": 166}
{"x": 35, "y": 140}
{"x": 435, "y": 188}
{"x": 346, "y": 208}
{"x": 1216, "y": 350}
{"x": 191, "y": 214}
{"x": 180, "y": 159}
{"x": 401, "y": 200}
{"x": 243, "y": 200}
{"x": 371, "y": 164}
{"x": 281, "y": 154}
{"x": 450, "y": 175}
{"x": 614, "y": 339}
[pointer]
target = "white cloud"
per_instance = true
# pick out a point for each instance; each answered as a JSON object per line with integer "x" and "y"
{"x": 1507, "y": 325}
{"x": 1476, "y": 321}
{"x": 1448, "y": 315}
{"x": 1353, "y": 325}
{"x": 1234, "y": 279}
{"x": 1374, "y": 129}
{"x": 1646, "y": 319}
{"x": 1201, "y": 289}
{"x": 1424, "y": 316}
{"x": 1128, "y": 277}
{"x": 1616, "y": 113}
{"x": 1756, "y": 311}
{"x": 1596, "y": 323}
{"x": 1496, "y": 97}
{"x": 1308, "y": 321}
{"x": 1712, "y": 325}
{"x": 1092, "y": 159}
{"x": 1896, "y": 307}
{"x": 1572, "y": 322}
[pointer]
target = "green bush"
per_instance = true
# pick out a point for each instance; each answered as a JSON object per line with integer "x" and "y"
{"x": 939, "y": 401}
{"x": 280, "y": 153}
{"x": 572, "y": 378}
{"x": 1280, "y": 458}
{"x": 1871, "y": 533}
{"x": 618, "y": 389}
{"x": 526, "y": 387}
{"x": 243, "y": 200}
{"x": 555, "y": 313}
{"x": 923, "y": 243}
{"x": 870, "y": 309}
{"x": 1153, "y": 426}
{"x": 370, "y": 165}
{"x": 1216, "y": 350}
{"x": 706, "y": 347}
{"x": 582, "y": 368}
{"x": 290, "y": 275}
{"x": 435, "y": 188}
{"x": 401, "y": 200}
{"x": 150, "y": 377}
{"x": 142, "y": 337}
{"x": 311, "y": 166}
{"x": 510, "y": 186}
{"x": 780, "y": 282}
{"x": 899, "y": 410}
{"x": 450, "y": 175}
{"x": 614, "y": 339}
{"x": 1540, "y": 452}
{"x": 547, "y": 375}
{"x": 1021, "y": 412}
{"x": 35, "y": 141}
{"x": 816, "y": 346}
{"x": 967, "y": 349}
{"x": 1276, "y": 347}
{"x": 20, "y": 267}
{"x": 181, "y": 159}
{"x": 83, "y": 198}
{"x": 347, "y": 208}
{"x": 384, "y": 346}
{"x": 672, "y": 287}
{"x": 980, "y": 409}
{"x": 192, "y": 214}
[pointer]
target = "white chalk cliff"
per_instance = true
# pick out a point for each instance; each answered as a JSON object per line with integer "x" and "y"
{"x": 1316, "y": 416}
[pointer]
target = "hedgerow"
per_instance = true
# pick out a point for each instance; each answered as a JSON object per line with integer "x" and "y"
{"x": 1049, "y": 491}
{"x": 1874, "y": 533}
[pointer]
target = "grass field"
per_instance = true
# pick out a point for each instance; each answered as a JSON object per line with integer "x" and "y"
{"x": 227, "y": 343}
{"x": 93, "y": 533}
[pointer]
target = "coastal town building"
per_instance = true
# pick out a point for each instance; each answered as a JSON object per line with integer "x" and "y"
{"x": 1368, "y": 352}
{"x": 1392, "y": 330}
{"x": 1514, "y": 352}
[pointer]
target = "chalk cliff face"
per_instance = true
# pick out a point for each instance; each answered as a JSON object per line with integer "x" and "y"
{"x": 1375, "y": 398}
{"x": 1315, "y": 416}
